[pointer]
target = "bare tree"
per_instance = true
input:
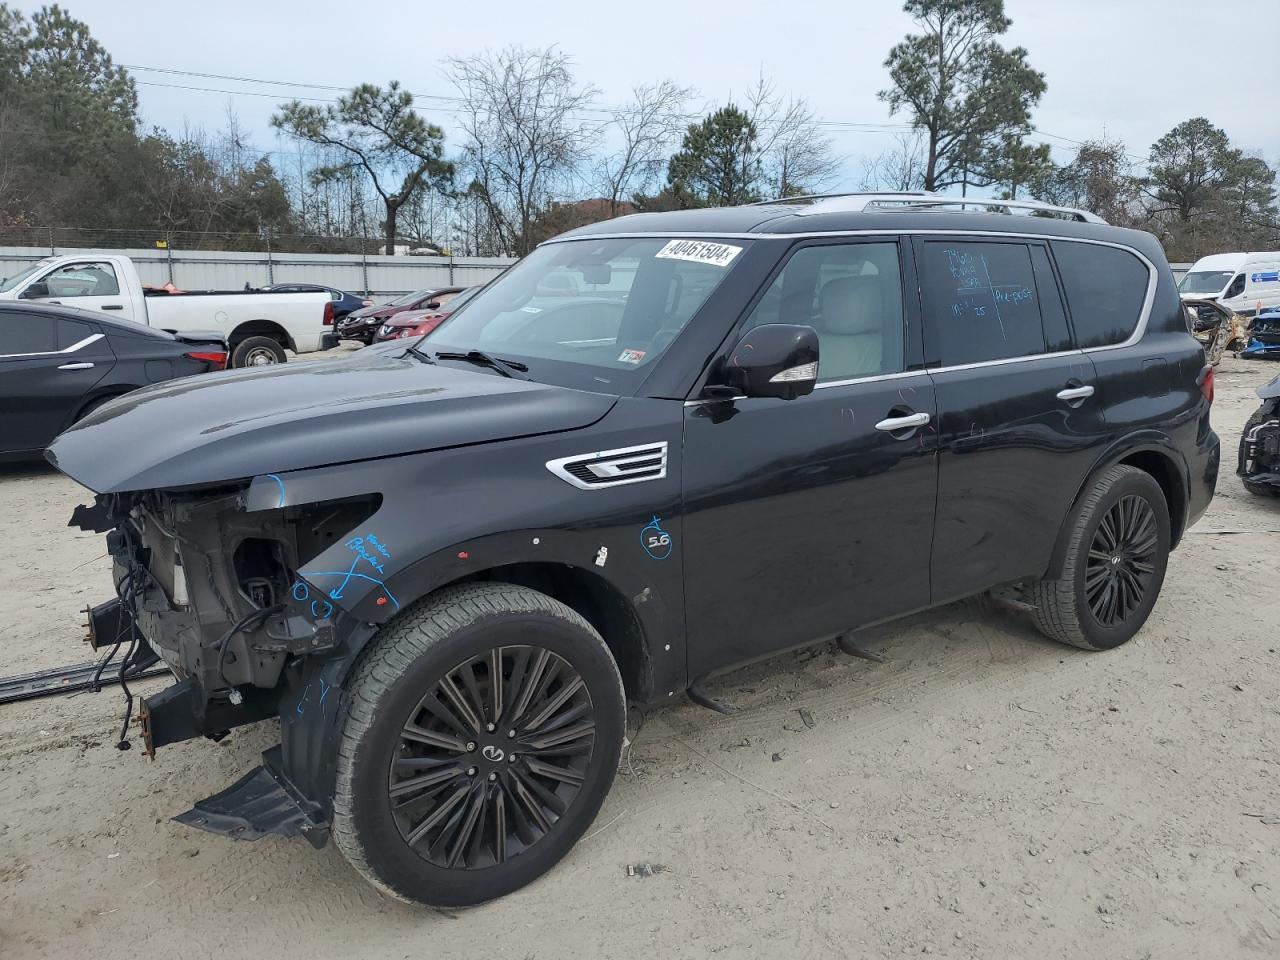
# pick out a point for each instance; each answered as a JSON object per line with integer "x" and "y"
{"x": 899, "y": 169}
{"x": 649, "y": 126}
{"x": 795, "y": 156}
{"x": 525, "y": 140}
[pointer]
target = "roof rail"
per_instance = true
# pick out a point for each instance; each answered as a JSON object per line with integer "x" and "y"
{"x": 862, "y": 202}
{"x": 815, "y": 197}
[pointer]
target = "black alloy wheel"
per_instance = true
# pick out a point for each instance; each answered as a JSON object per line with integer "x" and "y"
{"x": 492, "y": 757}
{"x": 481, "y": 731}
{"x": 1114, "y": 552}
{"x": 1121, "y": 560}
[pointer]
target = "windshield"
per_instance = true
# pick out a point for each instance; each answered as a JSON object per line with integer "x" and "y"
{"x": 411, "y": 297}
{"x": 1205, "y": 281}
{"x": 593, "y": 314}
{"x": 22, "y": 277}
{"x": 459, "y": 299}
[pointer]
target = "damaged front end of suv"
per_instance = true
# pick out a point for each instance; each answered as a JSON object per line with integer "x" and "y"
{"x": 258, "y": 589}
{"x": 1259, "y": 464}
{"x": 210, "y": 580}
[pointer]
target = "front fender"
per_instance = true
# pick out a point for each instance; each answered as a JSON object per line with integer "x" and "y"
{"x": 459, "y": 514}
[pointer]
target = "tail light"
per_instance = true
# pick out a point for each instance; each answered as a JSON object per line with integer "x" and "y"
{"x": 328, "y": 313}
{"x": 217, "y": 359}
{"x": 1205, "y": 381}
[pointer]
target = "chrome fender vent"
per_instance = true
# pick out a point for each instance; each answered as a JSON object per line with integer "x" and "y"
{"x": 613, "y": 468}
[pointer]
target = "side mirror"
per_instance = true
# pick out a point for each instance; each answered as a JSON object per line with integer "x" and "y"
{"x": 35, "y": 291}
{"x": 433, "y": 305}
{"x": 774, "y": 360}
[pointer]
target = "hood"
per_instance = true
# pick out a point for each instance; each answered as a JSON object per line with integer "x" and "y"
{"x": 1271, "y": 390}
{"x": 411, "y": 318}
{"x": 242, "y": 423}
{"x": 377, "y": 313}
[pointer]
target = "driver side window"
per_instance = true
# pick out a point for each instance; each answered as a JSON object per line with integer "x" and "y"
{"x": 87, "y": 279}
{"x": 1236, "y": 287}
{"x": 851, "y": 293}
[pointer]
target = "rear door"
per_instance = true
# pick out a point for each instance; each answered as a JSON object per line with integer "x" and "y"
{"x": 48, "y": 365}
{"x": 1019, "y": 425}
{"x": 808, "y": 517}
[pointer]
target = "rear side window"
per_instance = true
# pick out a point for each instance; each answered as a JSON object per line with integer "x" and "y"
{"x": 26, "y": 333}
{"x": 981, "y": 302}
{"x": 1106, "y": 288}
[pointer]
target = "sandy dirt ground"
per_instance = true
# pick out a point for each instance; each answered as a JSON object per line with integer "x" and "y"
{"x": 985, "y": 793}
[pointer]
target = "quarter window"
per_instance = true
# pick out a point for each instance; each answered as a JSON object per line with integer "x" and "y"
{"x": 851, "y": 293}
{"x": 1106, "y": 288}
{"x": 981, "y": 302}
{"x": 71, "y": 332}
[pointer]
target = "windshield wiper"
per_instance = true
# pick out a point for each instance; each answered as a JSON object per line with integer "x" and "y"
{"x": 425, "y": 358}
{"x": 503, "y": 367}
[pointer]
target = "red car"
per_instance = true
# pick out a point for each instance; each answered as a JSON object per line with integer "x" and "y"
{"x": 416, "y": 323}
{"x": 363, "y": 325}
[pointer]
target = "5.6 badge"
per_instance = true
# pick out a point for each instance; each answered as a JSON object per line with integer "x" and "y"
{"x": 656, "y": 541}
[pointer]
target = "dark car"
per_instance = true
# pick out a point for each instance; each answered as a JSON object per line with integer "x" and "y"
{"x": 418, "y": 323}
{"x": 344, "y": 303}
{"x": 1259, "y": 457}
{"x": 59, "y": 364}
{"x": 654, "y": 449}
{"x": 363, "y": 324}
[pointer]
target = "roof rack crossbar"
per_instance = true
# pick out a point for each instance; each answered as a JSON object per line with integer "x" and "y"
{"x": 922, "y": 200}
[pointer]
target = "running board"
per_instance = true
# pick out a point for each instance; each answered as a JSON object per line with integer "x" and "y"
{"x": 60, "y": 680}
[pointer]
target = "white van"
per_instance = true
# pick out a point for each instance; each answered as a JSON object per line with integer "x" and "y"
{"x": 1241, "y": 282}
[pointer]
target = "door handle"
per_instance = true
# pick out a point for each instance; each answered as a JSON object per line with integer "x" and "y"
{"x": 113, "y": 306}
{"x": 1075, "y": 393}
{"x": 894, "y": 424}
{"x": 82, "y": 365}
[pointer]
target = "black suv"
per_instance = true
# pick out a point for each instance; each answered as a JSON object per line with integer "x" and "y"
{"x": 656, "y": 448}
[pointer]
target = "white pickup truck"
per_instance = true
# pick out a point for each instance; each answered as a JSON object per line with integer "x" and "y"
{"x": 258, "y": 327}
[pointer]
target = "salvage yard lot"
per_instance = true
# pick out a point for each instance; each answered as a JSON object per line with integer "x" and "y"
{"x": 985, "y": 793}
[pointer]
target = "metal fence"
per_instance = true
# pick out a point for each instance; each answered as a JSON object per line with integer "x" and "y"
{"x": 229, "y": 261}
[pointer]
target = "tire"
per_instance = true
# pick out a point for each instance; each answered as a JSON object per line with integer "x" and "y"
{"x": 91, "y": 406}
{"x": 1259, "y": 416}
{"x": 1133, "y": 508}
{"x": 437, "y": 641}
{"x": 257, "y": 352}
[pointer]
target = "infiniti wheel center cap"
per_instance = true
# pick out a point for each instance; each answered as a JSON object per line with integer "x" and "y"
{"x": 1115, "y": 561}
{"x": 493, "y": 754}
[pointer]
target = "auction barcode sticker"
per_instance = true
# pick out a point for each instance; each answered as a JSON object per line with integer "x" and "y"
{"x": 700, "y": 251}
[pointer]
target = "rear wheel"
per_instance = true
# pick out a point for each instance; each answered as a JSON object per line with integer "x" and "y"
{"x": 91, "y": 406}
{"x": 257, "y": 352}
{"x": 1116, "y": 553}
{"x": 483, "y": 731}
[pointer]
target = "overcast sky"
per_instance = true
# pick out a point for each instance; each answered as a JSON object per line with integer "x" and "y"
{"x": 1131, "y": 69}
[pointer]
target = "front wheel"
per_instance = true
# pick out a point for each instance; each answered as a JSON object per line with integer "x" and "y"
{"x": 257, "y": 352}
{"x": 483, "y": 729}
{"x": 1116, "y": 553}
